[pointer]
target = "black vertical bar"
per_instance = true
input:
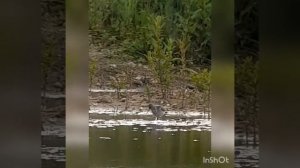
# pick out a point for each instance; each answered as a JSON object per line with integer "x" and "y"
{"x": 20, "y": 84}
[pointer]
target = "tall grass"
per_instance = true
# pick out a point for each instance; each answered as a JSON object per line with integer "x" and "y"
{"x": 127, "y": 21}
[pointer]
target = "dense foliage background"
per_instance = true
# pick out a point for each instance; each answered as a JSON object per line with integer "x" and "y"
{"x": 130, "y": 23}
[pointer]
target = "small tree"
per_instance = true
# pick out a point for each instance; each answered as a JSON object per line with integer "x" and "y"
{"x": 160, "y": 56}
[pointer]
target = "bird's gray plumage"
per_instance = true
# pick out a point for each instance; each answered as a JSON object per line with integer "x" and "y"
{"x": 157, "y": 110}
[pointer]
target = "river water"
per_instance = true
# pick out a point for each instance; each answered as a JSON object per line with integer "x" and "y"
{"x": 138, "y": 140}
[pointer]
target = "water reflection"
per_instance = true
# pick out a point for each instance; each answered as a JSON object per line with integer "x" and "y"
{"x": 139, "y": 141}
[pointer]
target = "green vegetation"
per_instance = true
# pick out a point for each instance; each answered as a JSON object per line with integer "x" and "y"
{"x": 160, "y": 56}
{"x": 173, "y": 38}
{"x": 170, "y": 37}
{"x": 126, "y": 22}
{"x": 202, "y": 80}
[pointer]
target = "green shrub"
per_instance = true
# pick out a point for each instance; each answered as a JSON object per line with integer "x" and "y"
{"x": 202, "y": 80}
{"x": 127, "y": 20}
{"x": 160, "y": 56}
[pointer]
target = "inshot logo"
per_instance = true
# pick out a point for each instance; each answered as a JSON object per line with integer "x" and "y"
{"x": 211, "y": 160}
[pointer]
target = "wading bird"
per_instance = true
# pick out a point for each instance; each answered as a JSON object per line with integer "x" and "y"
{"x": 157, "y": 110}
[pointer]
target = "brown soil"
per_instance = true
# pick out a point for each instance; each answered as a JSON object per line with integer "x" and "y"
{"x": 118, "y": 70}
